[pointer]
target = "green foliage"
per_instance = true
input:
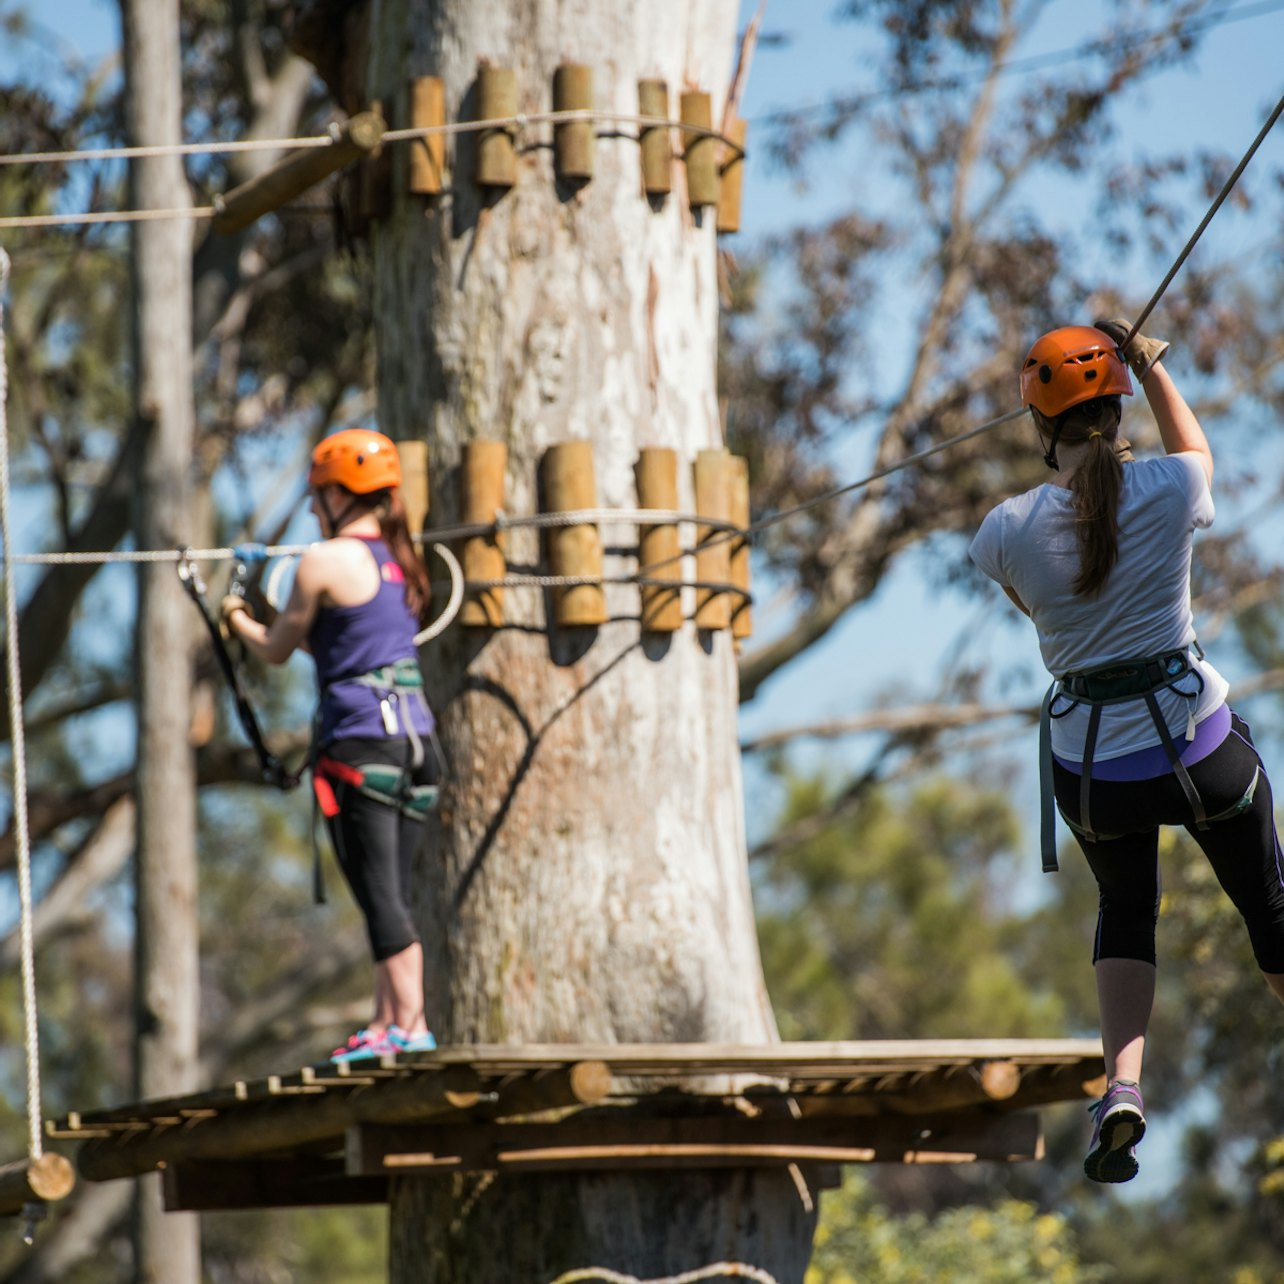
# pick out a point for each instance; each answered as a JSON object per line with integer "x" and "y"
{"x": 896, "y": 922}
{"x": 310, "y": 1246}
{"x": 859, "y": 1242}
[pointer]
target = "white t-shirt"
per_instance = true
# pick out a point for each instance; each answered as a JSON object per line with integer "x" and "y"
{"x": 1028, "y": 544}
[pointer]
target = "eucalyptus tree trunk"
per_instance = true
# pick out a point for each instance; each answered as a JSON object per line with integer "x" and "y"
{"x": 167, "y": 1246}
{"x": 587, "y": 879}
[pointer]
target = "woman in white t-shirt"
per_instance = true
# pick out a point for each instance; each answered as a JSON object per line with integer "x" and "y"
{"x": 1136, "y": 730}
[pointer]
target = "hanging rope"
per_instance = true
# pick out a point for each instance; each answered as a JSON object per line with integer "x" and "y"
{"x": 106, "y": 216}
{"x": 17, "y": 738}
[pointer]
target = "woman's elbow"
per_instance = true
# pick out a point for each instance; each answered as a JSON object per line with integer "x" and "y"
{"x": 277, "y": 650}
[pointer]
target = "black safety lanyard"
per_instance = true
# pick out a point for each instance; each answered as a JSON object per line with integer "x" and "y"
{"x": 275, "y": 771}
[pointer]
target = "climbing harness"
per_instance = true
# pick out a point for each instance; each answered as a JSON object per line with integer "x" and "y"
{"x": 1118, "y": 683}
{"x": 274, "y": 770}
{"x": 397, "y": 684}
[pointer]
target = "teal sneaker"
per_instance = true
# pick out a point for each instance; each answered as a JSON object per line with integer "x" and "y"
{"x": 400, "y": 1041}
{"x": 362, "y": 1046}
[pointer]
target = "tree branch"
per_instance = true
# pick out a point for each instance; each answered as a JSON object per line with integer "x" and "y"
{"x": 221, "y": 764}
{"x": 912, "y": 718}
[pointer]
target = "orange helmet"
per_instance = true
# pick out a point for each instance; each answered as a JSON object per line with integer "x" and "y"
{"x": 1070, "y": 365}
{"x": 358, "y": 459}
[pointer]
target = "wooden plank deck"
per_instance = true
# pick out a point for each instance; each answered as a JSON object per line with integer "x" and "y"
{"x": 533, "y": 1107}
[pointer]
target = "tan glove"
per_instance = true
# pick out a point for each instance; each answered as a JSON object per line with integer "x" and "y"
{"x": 1123, "y": 450}
{"x": 1141, "y": 352}
{"x": 232, "y": 602}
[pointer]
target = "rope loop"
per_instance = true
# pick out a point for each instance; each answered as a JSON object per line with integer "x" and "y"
{"x": 18, "y": 740}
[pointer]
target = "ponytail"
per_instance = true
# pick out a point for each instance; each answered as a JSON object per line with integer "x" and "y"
{"x": 1094, "y": 488}
{"x": 396, "y": 534}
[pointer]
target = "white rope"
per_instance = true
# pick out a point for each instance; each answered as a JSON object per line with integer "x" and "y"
{"x": 446, "y": 618}
{"x": 166, "y": 149}
{"x": 105, "y": 216}
{"x": 572, "y": 517}
{"x": 157, "y": 555}
{"x": 17, "y": 739}
{"x": 740, "y": 1269}
{"x": 518, "y": 121}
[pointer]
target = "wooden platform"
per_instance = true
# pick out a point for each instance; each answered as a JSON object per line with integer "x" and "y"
{"x": 336, "y": 1134}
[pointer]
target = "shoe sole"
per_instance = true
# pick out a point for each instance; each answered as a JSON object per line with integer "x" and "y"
{"x": 1111, "y": 1160}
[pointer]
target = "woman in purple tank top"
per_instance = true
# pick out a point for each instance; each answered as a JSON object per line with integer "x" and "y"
{"x": 357, "y": 600}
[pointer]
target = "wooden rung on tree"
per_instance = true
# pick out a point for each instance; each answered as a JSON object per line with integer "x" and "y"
{"x": 573, "y": 141}
{"x": 713, "y": 485}
{"x": 700, "y": 151}
{"x": 427, "y": 161}
{"x": 496, "y": 146}
{"x": 654, "y": 140}
{"x": 414, "y": 483}
{"x": 481, "y": 499}
{"x": 657, "y": 482}
{"x": 738, "y": 554}
{"x": 569, "y": 486}
{"x": 300, "y": 170}
{"x": 374, "y": 187}
{"x": 731, "y": 185}
{"x": 47, "y": 1178}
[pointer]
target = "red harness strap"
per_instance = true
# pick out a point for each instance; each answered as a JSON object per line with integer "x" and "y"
{"x": 330, "y": 768}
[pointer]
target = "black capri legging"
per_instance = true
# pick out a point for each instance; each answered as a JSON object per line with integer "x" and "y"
{"x": 1243, "y": 850}
{"x": 376, "y": 844}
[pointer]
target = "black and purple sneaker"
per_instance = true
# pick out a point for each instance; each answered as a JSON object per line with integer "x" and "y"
{"x": 1119, "y": 1124}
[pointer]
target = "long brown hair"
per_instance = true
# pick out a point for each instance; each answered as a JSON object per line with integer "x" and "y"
{"x": 1094, "y": 487}
{"x": 388, "y": 507}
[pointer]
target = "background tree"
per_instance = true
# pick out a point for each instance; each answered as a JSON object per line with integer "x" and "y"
{"x": 166, "y": 944}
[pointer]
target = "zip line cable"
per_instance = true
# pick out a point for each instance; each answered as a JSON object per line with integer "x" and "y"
{"x": 17, "y": 734}
{"x": 1208, "y": 218}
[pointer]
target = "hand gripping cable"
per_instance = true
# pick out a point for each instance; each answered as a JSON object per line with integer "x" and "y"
{"x": 275, "y": 771}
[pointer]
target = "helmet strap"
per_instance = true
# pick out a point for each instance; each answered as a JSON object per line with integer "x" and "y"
{"x": 333, "y": 520}
{"x": 1051, "y": 426}
{"x": 1050, "y": 455}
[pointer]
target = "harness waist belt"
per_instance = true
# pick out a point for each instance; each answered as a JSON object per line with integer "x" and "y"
{"x": 401, "y": 675}
{"x": 1115, "y": 683}
{"x": 1126, "y": 679}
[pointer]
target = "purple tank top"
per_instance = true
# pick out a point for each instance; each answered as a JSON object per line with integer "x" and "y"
{"x": 350, "y": 641}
